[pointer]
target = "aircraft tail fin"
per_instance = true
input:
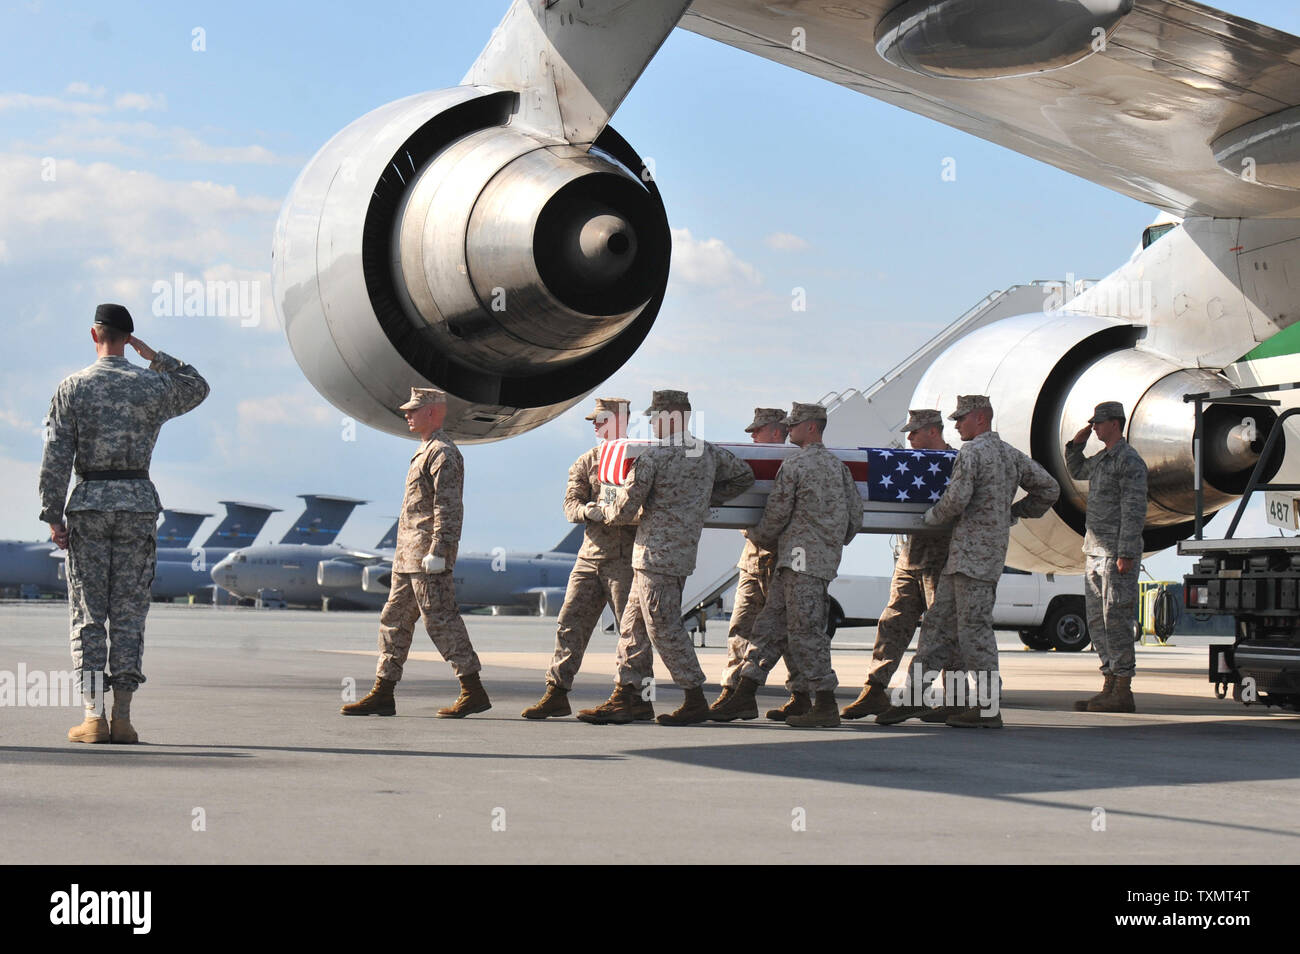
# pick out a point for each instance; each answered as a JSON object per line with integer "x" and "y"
{"x": 178, "y": 527}
{"x": 389, "y": 540}
{"x": 321, "y": 522}
{"x": 241, "y": 525}
{"x": 572, "y": 541}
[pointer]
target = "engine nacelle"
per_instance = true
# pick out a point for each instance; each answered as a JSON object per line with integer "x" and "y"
{"x": 338, "y": 574}
{"x": 1045, "y": 373}
{"x": 430, "y": 244}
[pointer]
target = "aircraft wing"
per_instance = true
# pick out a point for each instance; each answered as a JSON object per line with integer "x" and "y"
{"x": 1138, "y": 117}
{"x": 366, "y": 556}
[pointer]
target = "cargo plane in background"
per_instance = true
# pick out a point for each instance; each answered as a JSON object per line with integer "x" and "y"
{"x": 501, "y": 241}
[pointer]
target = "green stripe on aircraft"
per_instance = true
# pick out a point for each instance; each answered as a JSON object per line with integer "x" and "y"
{"x": 1286, "y": 341}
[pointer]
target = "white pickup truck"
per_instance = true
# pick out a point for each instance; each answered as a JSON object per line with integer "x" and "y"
{"x": 1046, "y": 610}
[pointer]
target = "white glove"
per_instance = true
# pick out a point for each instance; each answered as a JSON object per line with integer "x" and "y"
{"x": 433, "y": 564}
{"x": 594, "y": 513}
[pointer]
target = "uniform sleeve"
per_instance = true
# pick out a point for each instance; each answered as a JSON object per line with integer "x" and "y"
{"x": 961, "y": 485}
{"x": 1079, "y": 467}
{"x": 854, "y": 501}
{"x": 1132, "y": 507}
{"x": 186, "y": 388}
{"x": 56, "y": 461}
{"x": 577, "y": 493}
{"x": 633, "y": 494}
{"x": 1041, "y": 487}
{"x": 448, "y": 478}
{"x": 731, "y": 479}
{"x": 779, "y": 509}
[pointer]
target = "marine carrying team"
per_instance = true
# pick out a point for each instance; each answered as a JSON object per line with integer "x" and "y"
{"x": 638, "y": 549}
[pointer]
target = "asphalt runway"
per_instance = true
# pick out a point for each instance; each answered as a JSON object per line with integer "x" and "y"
{"x": 246, "y": 759}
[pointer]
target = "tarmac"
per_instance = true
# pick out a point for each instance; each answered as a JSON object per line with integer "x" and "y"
{"x": 245, "y": 758}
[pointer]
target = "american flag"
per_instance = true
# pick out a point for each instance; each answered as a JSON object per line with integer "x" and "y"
{"x": 907, "y": 476}
{"x": 883, "y": 475}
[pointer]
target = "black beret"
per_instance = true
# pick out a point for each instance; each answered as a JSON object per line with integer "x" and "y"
{"x": 114, "y": 316}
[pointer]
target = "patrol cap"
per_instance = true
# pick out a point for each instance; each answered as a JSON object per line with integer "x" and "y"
{"x": 763, "y": 416}
{"x": 923, "y": 417}
{"x": 422, "y": 396}
{"x": 967, "y": 403}
{"x": 115, "y": 317}
{"x": 805, "y": 412}
{"x": 1107, "y": 411}
{"x": 668, "y": 401}
{"x": 610, "y": 406}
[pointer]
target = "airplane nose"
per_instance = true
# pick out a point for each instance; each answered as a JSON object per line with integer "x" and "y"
{"x": 223, "y": 575}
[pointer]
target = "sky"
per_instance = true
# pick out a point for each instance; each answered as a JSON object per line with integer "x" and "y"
{"x": 142, "y": 141}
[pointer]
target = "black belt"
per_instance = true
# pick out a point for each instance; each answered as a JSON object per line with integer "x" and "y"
{"x": 115, "y": 475}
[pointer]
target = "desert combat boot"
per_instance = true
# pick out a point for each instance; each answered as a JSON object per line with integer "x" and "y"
{"x": 121, "y": 730}
{"x": 1107, "y": 687}
{"x": 1119, "y": 700}
{"x": 554, "y": 703}
{"x": 737, "y": 703}
{"x": 824, "y": 713}
{"x": 624, "y": 705}
{"x": 693, "y": 710}
{"x": 473, "y": 698}
{"x": 378, "y": 701}
{"x": 873, "y": 700}
{"x": 94, "y": 728}
{"x": 797, "y": 704}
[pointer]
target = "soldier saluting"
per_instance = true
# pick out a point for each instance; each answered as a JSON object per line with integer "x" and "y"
{"x": 103, "y": 423}
{"x": 1112, "y": 544}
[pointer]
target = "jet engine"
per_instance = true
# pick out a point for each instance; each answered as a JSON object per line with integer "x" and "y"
{"x": 431, "y": 244}
{"x": 1045, "y": 373}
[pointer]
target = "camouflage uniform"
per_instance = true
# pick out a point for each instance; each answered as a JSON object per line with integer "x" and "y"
{"x": 602, "y": 574}
{"x": 105, "y": 419}
{"x": 674, "y": 484}
{"x": 429, "y": 523}
{"x": 813, "y": 511}
{"x": 957, "y": 630}
{"x": 915, "y": 581}
{"x": 1117, "y": 506}
{"x": 757, "y": 566}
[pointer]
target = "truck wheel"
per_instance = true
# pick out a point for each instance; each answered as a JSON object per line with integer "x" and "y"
{"x": 1034, "y": 640}
{"x": 1066, "y": 628}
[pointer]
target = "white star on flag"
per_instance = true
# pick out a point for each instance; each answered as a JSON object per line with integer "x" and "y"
{"x": 902, "y": 495}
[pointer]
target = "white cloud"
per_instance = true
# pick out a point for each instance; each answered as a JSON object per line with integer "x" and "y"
{"x": 94, "y": 137}
{"x": 709, "y": 262}
{"x": 142, "y": 102}
{"x": 786, "y": 242}
{"x": 52, "y": 104}
{"x": 4, "y": 252}
{"x": 85, "y": 89}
